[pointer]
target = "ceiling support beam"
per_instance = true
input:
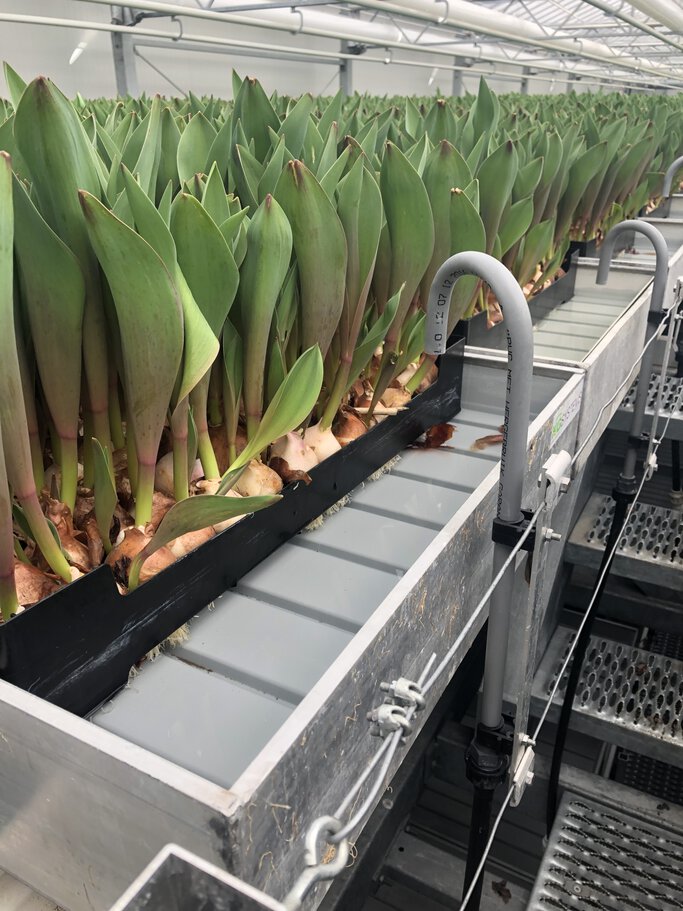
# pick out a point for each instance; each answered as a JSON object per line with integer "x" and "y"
{"x": 123, "y": 52}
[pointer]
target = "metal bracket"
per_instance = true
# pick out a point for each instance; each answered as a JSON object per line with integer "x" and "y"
{"x": 388, "y": 718}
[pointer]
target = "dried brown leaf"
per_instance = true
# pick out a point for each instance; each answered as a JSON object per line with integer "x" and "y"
{"x": 288, "y": 475}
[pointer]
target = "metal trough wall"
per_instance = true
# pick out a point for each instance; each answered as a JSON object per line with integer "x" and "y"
{"x": 82, "y": 810}
{"x": 600, "y": 331}
{"x": 642, "y": 254}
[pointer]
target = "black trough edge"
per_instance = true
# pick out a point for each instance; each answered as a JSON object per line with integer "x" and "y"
{"x": 475, "y": 332}
{"x": 76, "y": 647}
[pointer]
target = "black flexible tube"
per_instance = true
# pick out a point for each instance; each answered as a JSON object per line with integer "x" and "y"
{"x": 620, "y": 508}
{"x": 675, "y": 444}
{"x": 480, "y": 827}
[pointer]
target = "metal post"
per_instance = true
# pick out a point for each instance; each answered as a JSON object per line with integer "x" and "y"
{"x": 625, "y": 489}
{"x": 124, "y": 53}
{"x": 487, "y": 757}
{"x": 346, "y": 71}
{"x": 458, "y": 87}
{"x": 524, "y": 88}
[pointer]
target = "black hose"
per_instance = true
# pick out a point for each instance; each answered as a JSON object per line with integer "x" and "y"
{"x": 620, "y": 508}
{"x": 676, "y": 466}
{"x": 480, "y": 827}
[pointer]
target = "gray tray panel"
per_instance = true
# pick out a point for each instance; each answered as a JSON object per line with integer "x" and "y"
{"x": 377, "y": 541}
{"x": 431, "y": 505}
{"x": 452, "y": 469}
{"x": 484, "y": 400}
{"x": 263, "y": 646}
{"x": 316, "y": 585}
{"x": 197, "y": 719}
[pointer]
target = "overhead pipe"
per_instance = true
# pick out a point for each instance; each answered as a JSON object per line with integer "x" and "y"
{"x": 634, "y": 23}
{"x": 663, "y": 11}
{"x": 172, "y": 38}
{"x": 460, "y": 14}
{"x": 472, "y": 16}
{"x": 626, "y": 487}
{"x": 488, "y": 755}
{"x": 212, "y": 44}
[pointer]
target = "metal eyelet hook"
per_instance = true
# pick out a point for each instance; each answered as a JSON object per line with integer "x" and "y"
{"x": 316, "y": 869}
{"x": 295, "y": 9}
{"x": 445, "y": 17}
{"x": 179, "y": 23}
{"x": 326, "y": 825}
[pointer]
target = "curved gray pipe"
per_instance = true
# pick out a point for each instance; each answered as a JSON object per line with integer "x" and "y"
{"x": 656, "y": 305}
{"x": 669, "y": 176}
{"x": 514, "y": 458}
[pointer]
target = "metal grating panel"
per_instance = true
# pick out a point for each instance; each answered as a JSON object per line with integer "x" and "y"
{"x": 672, "y": 405}
{"x": 645, "y": 774}
{"x": 599, "y": 858}
{"x": 652, "y": 532}
{"x": 668, "y": 644}
{"x": 625, "y": 695}
{"x": 672, "y": 398}
{"x": 650, "y": 549}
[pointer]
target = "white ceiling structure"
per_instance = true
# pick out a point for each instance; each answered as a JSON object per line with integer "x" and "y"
{"x": 606, "y": 43}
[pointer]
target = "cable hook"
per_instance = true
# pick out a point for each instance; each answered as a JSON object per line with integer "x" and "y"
{"x": 445, "y": 17}
{"x": 179, "y": 23}
{"x": 317, "y": 870}
{"x": 295, "y": 9}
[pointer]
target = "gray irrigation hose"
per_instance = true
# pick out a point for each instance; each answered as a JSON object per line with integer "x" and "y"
{"x": 513, "y": 459}
{"x": 656, "y": 305}
{"x": 669, "y": 176}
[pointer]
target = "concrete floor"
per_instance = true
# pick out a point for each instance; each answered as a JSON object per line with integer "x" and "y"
{"x": 15, "y": 896}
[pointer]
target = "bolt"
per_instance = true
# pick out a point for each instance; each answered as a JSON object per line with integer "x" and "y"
{"x": 576, "y": 889}
{"x": 387, "y": 803}
{"x": 550, "y": 535}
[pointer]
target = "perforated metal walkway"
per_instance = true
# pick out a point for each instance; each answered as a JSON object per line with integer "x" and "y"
{"x": 601, "y": 858}
{"x": 650, "y": 550}
{"x": 672, "y": 404}
{"x": 626, "y": 695}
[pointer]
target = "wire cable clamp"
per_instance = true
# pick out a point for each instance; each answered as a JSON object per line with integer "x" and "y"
{"x": 404, "y": 691}
{"x": 388, "y": 718}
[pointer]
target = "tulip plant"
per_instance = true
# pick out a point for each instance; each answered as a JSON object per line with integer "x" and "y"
{"x": 203, "y": 299}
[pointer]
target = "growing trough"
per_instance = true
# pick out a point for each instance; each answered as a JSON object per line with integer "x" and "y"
{"x": 600, "y": 330}
{"x": 210, "y": 744}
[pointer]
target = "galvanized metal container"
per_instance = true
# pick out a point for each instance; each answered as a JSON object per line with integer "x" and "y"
{"x": 246, "y": 770}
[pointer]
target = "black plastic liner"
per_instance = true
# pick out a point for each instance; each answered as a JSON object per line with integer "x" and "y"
{"x": 591, "y": 249}
{"x": 76, "y": 647}
{"x": 475, "y": 332}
